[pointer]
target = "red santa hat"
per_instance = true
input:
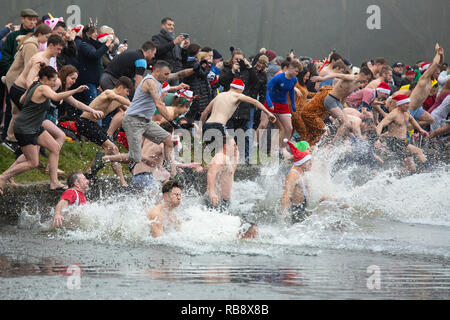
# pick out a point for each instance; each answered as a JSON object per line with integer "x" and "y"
{"x": 102, "y": 37}
{"x": 165, "y": 87}
{"x": 401, "y": 99}
{"x": 410, "y": 73}
{"x": 238, "y": 84}
{"x": 185, "y": 94}
{"x": 383, "y": 87}
{"x": 300, "y": 157}
{"x": 424, "y": 66}
{"x": 78, "y": 30}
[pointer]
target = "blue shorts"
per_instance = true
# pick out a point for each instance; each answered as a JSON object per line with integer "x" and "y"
{"x": 145, "y": 181}
{"x": 417, "y": 113}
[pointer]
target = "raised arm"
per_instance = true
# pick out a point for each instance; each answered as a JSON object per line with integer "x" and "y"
{"x": 181, "y": 74}
{"x": 436, "y": 64}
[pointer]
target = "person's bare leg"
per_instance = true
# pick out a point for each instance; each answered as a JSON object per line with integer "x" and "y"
{"x": 417, "y": 152}
{"x": 410, "y": 165}
{"x": 116, "y": 123}
{"x": 111, "y": 149}
{"x": 46, "y": 140}
{"x": 58, "y": 135}
{"x": 31, "y": 155}
{"x": 439, "y": 132}
{"x": 264, "y": 122}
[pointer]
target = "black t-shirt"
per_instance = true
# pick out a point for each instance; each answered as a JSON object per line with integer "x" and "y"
{"x": 128, "y": 64}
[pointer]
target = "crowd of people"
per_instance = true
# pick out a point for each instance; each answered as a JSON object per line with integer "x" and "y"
{"x": 61, "y": 84}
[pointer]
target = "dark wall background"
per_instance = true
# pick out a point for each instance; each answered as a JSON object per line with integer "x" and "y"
{"x": 409, "y": 28}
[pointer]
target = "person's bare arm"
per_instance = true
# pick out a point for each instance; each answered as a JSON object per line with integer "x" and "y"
{"x": 386, "y": 121}
{"x": 47, "y": 92}
{"x": 341, "y": 76}
{"x": 259, "y": 105}
{"x": 33, "y": 72}
{"x": 156, "y": 227}
{"x": 151, "y": 88}
{"x": 181, "y": 74}
{"x": 436, "y": 64}
{"x": 138, "y": 80}
{"x": 83, "y": 107}
{"x": 113, "y": 96}
{"x": 207, "y": 111}
{"x": 58, "y": 218}
{"x": 290, "y": 183}
{"x": 417, "y": 126}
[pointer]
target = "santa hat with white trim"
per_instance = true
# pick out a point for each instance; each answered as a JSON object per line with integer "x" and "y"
{"x": 238, "y": 84}
{"x": 185, "y": 94}
{"x": 78, "y": 30}
{"x": 165, "y": 87}
{"x": 383, "y": 87}
{"x": 424, "y": 66}
{"x": 300, "y": 157}
{"x": 102, "y": 37}
{"x": 401, "y": 99}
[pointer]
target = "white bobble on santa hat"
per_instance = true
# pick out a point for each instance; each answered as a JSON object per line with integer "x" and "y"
{"x": 300, "y": 157}
{"x": 165, "y": 87}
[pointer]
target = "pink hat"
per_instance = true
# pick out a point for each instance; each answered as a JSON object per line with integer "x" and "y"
{"x": 271, "y": 55}
{"x": 424, "y": 66}
{"x": 238, "y": 84}
{"x": 53, "y": 22}
{"x": 300, "y": 157}
{"x": 383, "y": 87}
{"x": 401, "y": 99}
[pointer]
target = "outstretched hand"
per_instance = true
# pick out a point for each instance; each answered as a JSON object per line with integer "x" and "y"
{"x": 81, "y": 89}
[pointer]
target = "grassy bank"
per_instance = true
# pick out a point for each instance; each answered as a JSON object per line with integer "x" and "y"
{"x": 73, "y": 157}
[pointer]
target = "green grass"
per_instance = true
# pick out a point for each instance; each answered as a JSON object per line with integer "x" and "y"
{"x": 73, "y": 157}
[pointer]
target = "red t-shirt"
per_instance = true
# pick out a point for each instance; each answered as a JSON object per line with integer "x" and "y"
{"x": 71, "y": 196}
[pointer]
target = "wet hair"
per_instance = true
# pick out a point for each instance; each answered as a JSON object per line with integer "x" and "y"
{"x": 170, "y": 185}
{"x": 161, "y": 64}
{"x": 193, "y": 49}
{"x": 335, "y": 57}
{"x": 381, "y": 60}
{"x": 41, "y": 29}
{"x": 46, "y": 71}
{"x": 148, "y": 45}
{"x": 125, "y": 82}
{"x": 64, "y": 72}
{"x": 164, "y": 21}
{"x": 56, "y": 40}
{"x": 73, "y": 178}
{"x": 60, "y": 24}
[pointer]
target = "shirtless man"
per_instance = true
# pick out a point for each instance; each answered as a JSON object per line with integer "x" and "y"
{"x": 75, "y": 196}
{"x": 343, "y": 88}
{"x": 221, "y": 174}
{"x": 295, "y": 191}
{"x": 87, "y": 125}
{"x": 423, "y": 87}
{"x": 162, "y": 217}
{"x": 224, "y": 106}
{"x": 385, "y": 75}
{"x": 55, "y": 45}
{"x": 397, "y": 123}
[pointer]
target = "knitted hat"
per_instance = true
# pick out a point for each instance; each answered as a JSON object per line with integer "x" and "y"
{"x": 271, "y": 55}
{"x": 424, "y": 66}
{"x": 216, "y": 54}
{"x": 102, "y": 37}
{"x": 300, "y": 157}
{"x": 165, "y": 87}
{"x": 238, "y": 84}
{"x": 383, "y": 87}
{"x": 401, "y": 99}
{"x": 78, "y": 30}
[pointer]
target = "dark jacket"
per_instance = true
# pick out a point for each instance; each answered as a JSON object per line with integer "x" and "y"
{"x": 248, "y": 76}
{"x": 9, "y": 49}
{"x": 90, "y": 61}
{"x": 199, "y": 84}
{"x": 68, "y": 55}
{"x": 3, "y": 33}
{"x": 397, "y": 77}
{"x": 258, "y": 88}
{"x": 167, "y": 50}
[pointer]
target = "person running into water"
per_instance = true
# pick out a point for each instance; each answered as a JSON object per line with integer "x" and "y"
{"x": 224, "y": 106}
{"x": 28, "y": 127}
{"x": 220, "y": 175}
{"x": 397, "y": 122}
{"x": 278, "y": 89}
{"x": 163, "y": 217}
{"x": 295, "y": 195}
{"x": 107, "y": 102}
{"x": 74, "y": 196}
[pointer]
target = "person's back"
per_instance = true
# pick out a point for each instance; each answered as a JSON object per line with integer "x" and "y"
{"x": 225, "y": 105}
{"x": 124, "y": 64}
